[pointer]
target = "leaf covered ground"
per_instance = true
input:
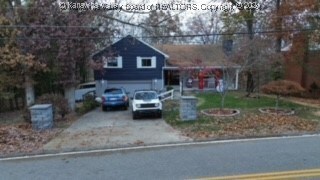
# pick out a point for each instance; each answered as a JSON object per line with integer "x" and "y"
{"x": 15, "y": 139}
{"x": 250, "y": 122}
{"x": 250, "y": 125}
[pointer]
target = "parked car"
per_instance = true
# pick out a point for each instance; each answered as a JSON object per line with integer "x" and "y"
{"x": 84, "y": 89}
{"x": 114, "y": 97}
{"x": 146, "y": 102}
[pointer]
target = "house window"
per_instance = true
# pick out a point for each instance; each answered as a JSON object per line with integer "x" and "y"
{"x": 112, "y": 62}
{"x": 146, "y": 62}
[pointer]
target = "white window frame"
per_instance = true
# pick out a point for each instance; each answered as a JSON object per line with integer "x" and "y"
{"x": 119, "y": 62}
{"x": 153, "y": 62}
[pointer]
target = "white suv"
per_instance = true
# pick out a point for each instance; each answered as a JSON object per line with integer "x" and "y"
{"x": 146, "y": 102}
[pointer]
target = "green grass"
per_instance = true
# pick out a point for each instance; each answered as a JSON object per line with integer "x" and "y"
{"x": 238, "y": 100}
{"x": 233, "y": 100}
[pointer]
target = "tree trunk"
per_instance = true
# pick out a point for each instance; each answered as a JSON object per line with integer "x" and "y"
{"x": 250, "y": 83}
{"x": 1, "y": 104}
{"x": 29, "y": 91}
{"x": 278, "y": 27}
{"x": 16, "y": 101}
{"x": 11, "y": 104}
{"x": 277, "y": 102}
{"x": 223, "y": 97}
{"x": 69, "y": 95}
{"x": 305, "y": 60}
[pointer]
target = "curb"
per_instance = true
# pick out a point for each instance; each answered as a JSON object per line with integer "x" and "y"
{"x": 146, "y": 147}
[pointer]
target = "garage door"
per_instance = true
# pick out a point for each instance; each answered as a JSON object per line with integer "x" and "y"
{"x": 131, "y": 86}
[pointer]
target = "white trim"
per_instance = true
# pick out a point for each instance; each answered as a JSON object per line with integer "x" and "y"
{"x": 139, "y": 62}
{"x": 153, "y": 62}
{"x": 164, "y": 54}
{"x": 119, "y": 63}
{"x": 143, "y": 42}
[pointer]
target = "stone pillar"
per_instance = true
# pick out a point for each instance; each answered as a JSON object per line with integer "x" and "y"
{"x": 41, "y": 116}
{"x": 188, "y": 108}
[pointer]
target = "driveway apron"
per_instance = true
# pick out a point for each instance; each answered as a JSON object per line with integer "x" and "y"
{"x": 112, "y": 129}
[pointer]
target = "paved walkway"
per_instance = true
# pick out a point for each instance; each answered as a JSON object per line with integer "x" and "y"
{"x": 112, "y": 129}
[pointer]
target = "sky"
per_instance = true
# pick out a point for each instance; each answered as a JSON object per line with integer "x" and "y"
{"x": 184, "y": 8}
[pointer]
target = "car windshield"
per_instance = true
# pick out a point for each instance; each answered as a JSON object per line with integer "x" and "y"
{"x": 145, "y": 95}
{"x": 113, "y": 91}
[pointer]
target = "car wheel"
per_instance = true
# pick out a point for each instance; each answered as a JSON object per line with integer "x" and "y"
{"x": 125, "y": 107}
{"x": 134, "y": 116}
{"x": 160, "y": 114}
{"x": 104, "y": 108}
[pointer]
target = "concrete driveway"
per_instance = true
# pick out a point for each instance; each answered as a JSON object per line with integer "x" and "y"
{"x": 98, "y": 129}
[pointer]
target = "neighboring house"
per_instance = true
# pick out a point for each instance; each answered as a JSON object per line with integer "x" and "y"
{"x": 300, "y": 65}
{"x": 134, "y": 64}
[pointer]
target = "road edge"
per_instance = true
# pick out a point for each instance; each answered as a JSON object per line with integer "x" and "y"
{"x": 145, "y": 147}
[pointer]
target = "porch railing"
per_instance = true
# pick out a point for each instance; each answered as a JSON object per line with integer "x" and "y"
{"x": 166, "y": 95}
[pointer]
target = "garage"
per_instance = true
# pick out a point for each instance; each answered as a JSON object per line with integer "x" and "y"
{"x": 131, "y": 86}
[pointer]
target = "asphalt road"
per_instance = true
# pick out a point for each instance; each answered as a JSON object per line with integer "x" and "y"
{"x": 177, "y": 162}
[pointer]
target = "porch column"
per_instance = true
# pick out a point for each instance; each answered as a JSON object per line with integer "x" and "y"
{"x": 180, "y": 86}
{"x": 237, "y": 79}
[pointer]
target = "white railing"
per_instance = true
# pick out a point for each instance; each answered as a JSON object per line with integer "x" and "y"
{"x": 166, "y": 95}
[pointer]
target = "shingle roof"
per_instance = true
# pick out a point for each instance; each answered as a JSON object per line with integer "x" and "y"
{"x": 196, "y": 55}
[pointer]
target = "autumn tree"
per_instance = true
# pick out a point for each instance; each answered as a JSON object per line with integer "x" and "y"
{"x": 261, "y": 49}
{"x": 249, "y": 18}
{"x": 64, "y": 40}
{"x": 16, "y": 67}
{"x": 297, "y": 23}
{"x": 288, "y": 17}
{"x": 206, "y": 24}
{"x": 161, "y": 27}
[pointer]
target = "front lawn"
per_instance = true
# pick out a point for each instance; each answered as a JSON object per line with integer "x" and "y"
{"x": 239, "y": 101}
{"x": 250, "y": 123}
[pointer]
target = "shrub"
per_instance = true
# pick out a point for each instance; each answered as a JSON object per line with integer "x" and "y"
{"x": 314, "y": 87}
{"x": 88, "y": 104}
{"x": 314, "y": 90}
{"x": 59, "y": 103}
{"x": 282, "y": 87}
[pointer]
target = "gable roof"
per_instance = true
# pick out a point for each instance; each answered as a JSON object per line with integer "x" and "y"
{"x": 109, "y": 48}
{"x": 196, "y": 55}
{"x": 152, "y": 47}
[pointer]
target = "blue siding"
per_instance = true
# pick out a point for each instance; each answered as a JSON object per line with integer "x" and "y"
{"x": 129, "y": 48}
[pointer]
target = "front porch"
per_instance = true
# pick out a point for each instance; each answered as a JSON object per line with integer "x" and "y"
{"x": 189, "y": 80}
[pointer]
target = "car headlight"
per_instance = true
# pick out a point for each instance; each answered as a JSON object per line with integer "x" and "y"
{"x": 157, "y": 104}
{"x": 138, "y": 105}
